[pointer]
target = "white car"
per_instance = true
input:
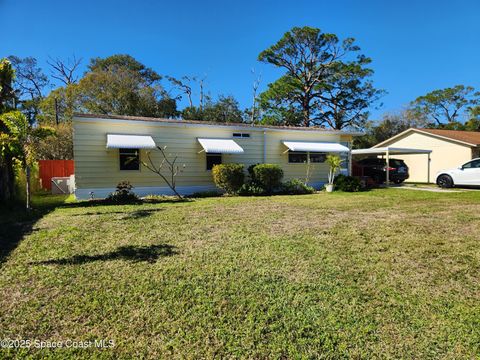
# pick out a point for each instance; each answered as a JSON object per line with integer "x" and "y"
{"x": 468, "y": 174}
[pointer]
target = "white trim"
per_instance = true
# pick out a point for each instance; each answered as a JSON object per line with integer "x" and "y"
{"x": 100, "y": 193}
{"x": 423, "y": 133}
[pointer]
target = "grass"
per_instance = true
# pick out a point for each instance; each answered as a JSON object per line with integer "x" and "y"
{"x": 382, "y": 274}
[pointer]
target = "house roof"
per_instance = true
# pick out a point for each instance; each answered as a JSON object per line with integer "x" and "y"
{"x": 211, "y": 123}
{"x": 470, "y": 138}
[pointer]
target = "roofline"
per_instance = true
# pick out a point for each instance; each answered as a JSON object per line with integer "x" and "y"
{"x": 199, "y": 123}
{"x": 392, "y": 150}
{"x": 425, "y": 133}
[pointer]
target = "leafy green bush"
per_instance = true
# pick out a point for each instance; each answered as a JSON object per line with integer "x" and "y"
{"x": 160, "y": 199}
{"x": 228, "y": 177}
{"x": 250, "y": 172}
{"x": 123, "y": 194}
{"x": 205, "y": 194}
{"x": 267, "y": 176}
{"x": 347, "y": 183}
{"x": 296, "y": 187}
{"x": 250, "y": 189}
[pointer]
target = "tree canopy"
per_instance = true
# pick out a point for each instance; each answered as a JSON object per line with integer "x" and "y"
{"x": 225, "y": 109}
{"x": 446, "y": 107}
{"x": 29, "y": 85}
{"x": 119, "y": 84}
{"x": 326, "y": 81}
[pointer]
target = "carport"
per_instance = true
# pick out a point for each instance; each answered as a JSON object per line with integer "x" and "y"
{"x": 387, "y": 151}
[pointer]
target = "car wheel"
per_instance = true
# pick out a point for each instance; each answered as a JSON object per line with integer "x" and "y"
{"x": 398, "y": 181}
{"x": 445, "y": 181}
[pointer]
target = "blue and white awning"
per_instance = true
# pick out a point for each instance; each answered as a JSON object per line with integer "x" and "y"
{"x": 115, "y": 141}
{"x": 220, "y": 146}
{"x": 315, "y": 147}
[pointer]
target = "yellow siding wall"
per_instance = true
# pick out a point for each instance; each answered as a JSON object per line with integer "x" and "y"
{"x": 276, "y": 154}
{"x": 445, "y": 154}
{"x": 97, "y": 167}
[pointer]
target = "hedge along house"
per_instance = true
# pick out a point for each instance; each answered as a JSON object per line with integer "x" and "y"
{"x": 109, "y": 149}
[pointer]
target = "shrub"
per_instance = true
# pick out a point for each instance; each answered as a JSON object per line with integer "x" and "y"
{"x": 347, "y": 183}
{"x": 159, "y": 199}
{"x": 251, "y": 189}
{"x": 267, "y": 176}
{"x": 123, "y": 194}
{"x": 205, "y": 194}
{"x": 296, "y": 187}
{"x": 250, "y": 172}
{"x": 228, "y": 177}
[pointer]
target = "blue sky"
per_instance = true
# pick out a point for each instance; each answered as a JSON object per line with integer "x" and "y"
{"x": 416, "y": 46}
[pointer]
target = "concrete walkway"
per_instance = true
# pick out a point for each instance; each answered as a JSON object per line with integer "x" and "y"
{"x": 427, "y": 188}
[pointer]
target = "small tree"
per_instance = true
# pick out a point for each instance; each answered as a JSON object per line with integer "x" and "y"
{"x": 334, "y": 162}
{"x": 22, "y": 139}
{"x": 170, "y": 166}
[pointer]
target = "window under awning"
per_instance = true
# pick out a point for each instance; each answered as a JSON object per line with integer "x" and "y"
{"x": 115, "y": 141}
{"x": 220, "y": 146}
{"x": 315, "y": 146}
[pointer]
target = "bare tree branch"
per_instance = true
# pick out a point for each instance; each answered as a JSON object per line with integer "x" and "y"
{"x": 64, "y": 71}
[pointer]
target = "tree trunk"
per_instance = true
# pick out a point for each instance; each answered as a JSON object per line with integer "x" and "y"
{"x": 201, "y": 95}
{"x": 7, "y": 179}
{"x": 27, "y": 173}
{"x": 306, "y": 116}
{"x": 306, "y": 111}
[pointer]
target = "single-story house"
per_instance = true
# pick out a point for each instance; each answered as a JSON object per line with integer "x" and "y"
{"x": 450, "y": 148}
{"x": 109, "y": 149}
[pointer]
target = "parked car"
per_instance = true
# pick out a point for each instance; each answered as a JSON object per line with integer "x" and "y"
{"x": 376, "y": 169}
{"x": 468, "y": 174}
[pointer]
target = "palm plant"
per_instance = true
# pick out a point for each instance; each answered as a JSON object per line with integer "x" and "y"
{"x": 334, "y": 162}
{"x": 22, "y": 140}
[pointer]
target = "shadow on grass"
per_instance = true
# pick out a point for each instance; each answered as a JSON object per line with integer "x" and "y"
{"x": 128, "y": 253}
{"x": 102, "y": 202}
{"x": 138, "y": 214}
{"x": 16, "y": 222}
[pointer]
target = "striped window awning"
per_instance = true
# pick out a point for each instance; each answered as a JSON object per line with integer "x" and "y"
{"x": 220, "y": 146}
{"x": 315, "y": 146}
{"x": 115, "y": 141}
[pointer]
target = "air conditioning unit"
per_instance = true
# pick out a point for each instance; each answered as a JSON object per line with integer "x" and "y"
{"x": 63, "y": 185}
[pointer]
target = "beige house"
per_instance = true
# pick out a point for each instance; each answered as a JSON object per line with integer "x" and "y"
{"x": 109, "y": 149}
{"x": 450, "y": 148}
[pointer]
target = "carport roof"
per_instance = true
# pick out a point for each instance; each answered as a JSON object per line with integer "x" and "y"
{"x": 390, "y": 150}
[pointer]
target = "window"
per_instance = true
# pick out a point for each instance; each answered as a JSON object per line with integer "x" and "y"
{"x": 213, "y": 159}
{"x": 475, "y": 164}
{"x": 318, "y": 157}
{"x": 302, "y": 157}
{"x": 297, "y": 157}
{"x": 241, "y": 135}
{"x": 129, "y": 159}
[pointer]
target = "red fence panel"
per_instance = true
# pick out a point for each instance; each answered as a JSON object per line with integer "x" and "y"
{"x": 54, "y": 168}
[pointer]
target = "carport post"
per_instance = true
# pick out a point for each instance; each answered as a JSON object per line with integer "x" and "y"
{"x": 428, "y": 169}
{"x": 388, "y": 167}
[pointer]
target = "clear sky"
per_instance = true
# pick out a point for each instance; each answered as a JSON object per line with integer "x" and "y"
{"x": 416, "y": 46}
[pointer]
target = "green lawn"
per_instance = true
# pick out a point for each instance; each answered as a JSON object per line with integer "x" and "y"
{"x": 381, "y": 274}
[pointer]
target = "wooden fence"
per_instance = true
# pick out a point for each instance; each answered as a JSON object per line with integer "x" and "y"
{"x": 54, "y": 168}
